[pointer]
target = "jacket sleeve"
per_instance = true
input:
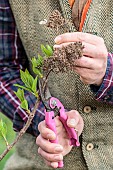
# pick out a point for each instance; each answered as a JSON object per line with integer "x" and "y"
{"x": 104, "y": 92}
{"x": 10, "y": 105}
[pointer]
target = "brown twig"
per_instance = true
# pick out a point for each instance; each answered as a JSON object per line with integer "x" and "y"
{"x": 45, "y": 79}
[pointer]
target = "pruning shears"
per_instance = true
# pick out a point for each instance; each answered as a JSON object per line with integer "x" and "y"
{"x": 54, "y": 107}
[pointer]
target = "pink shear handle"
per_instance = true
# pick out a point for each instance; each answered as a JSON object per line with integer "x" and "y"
{"x": 74, "y": 140}
{"x": 50, "y": 122}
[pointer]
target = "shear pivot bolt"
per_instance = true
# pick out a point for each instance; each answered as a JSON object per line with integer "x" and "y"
{"x": 53, "y": 103}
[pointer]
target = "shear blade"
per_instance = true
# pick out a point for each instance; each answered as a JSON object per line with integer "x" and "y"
{"x": 44, "y": 94}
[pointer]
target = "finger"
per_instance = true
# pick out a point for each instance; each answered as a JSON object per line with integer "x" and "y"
{"x": 58, "y": 122}
{"x": 89, "y": 50}
{"x": 95, "y": 51}
{"x": 59, "y": 125}
{"x": 60, "y": 128}
{"x": 87, "y": 67}
{"x": 86, "y": 62}
{"x": 52, "y": 164}
{"x": 85, "y": 81}
{"x": 46, "y": 132}
{"x": 62, "y": 45}
{"x": 78, "y": 37}
{"x": 79, "y": 127}
{"x": 86, "y": 73}
{"x": 50, "y": 157}
{"x": 73, "y": 118}
{"x": 47, "y": 146}
{"x": 87, "y": 76}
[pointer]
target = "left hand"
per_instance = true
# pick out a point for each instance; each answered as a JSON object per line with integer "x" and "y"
{"x": 92, "y": 65}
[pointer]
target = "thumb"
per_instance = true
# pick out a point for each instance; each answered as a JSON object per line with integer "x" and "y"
{"x": 73, "y": 118}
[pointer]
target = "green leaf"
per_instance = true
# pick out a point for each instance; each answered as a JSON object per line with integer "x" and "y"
{"x": 46, "y": 50}
{"x": 40, "y": 60}
{"x": 37, "y": 72}
{"x": 24, "y": 104}
{"x": 20, "y": 94}
{"x": 36, "y": 94}
{"x": 50, "y": 49}
{"x": 34, "y": 85}
{"x": 37, "y": 64}
{"x": 29, "y": 78}
{"x": 23, "y": 76}
{"x": 26, "y": 78}
{"x": 26, "y": 71}
{"x": 43, "y": 49}
{"x": 34, "y": 62}
{"x": 3, "y": 128}
{"x": 22, "y": 87}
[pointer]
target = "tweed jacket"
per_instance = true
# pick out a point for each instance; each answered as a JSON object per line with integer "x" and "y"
{"x": 96, "y": 150}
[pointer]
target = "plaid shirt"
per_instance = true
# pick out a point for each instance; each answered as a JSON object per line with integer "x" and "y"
{"x": 12, "y": 58}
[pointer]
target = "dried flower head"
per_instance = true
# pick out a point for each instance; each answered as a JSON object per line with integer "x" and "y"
{"x": 64, "y": 58}
{"x": 55, "y": 20}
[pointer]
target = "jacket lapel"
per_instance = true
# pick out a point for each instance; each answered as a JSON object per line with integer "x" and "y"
{"x": 67, "y": 13}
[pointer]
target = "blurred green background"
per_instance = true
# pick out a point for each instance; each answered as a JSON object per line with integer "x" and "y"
{"x": 10, "y": 137}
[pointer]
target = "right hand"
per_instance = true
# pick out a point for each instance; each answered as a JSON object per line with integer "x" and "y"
{"x": 91, "y": 67}
{"x": 52, "y": 152}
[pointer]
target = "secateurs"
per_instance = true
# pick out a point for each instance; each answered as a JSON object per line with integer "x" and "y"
{"x": 54, "y": 107}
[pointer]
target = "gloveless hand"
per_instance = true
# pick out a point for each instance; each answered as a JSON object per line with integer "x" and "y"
{"x": 51, "y": 152}
{"x": 92, "y": 66}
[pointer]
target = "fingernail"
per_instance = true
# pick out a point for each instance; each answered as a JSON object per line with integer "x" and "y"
{"x": 72, "y": 122}
{"x": 54, "y": 164}
{"x": 51, "y": 136}
{"x": 57, "y": 39}
{"x": 58, "y": 148}
{"x": 56, "y": 46}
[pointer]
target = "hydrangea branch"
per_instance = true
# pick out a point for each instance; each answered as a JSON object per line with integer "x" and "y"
{"x": 30, "y": 84}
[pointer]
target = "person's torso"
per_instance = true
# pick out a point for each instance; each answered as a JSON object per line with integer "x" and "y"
{"x": 68, "y": 87}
